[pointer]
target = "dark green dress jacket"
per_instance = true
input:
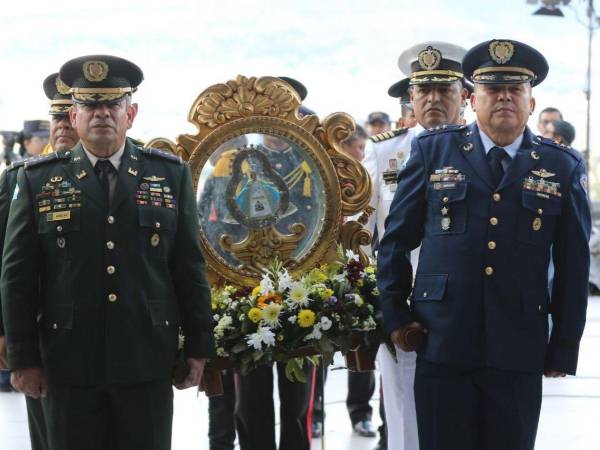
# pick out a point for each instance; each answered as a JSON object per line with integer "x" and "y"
{"x": 113, "y": 283}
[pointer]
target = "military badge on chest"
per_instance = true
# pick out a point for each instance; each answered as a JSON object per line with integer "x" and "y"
{"x": 152, "y": 191}
{"x": 58, "y": 199}
{"x": 390, "y": 176}
{"x": 446, "y": 180}
{"x": 539, "y": 184}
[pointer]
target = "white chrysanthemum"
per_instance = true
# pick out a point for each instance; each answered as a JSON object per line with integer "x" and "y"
{"x": 262, "y": 336}
{"x": 325, "y": 323}
{"x": 270, "y": 315}
{"x": 351, "y": 255}
{"x": 292, "y": 319}
{"x": 266, "y": 284}
{"x": 315, "y": 334}
{"x": 216, "y": 317}
{"x": 285, "y": 280}
{"x": 298, "y": 294}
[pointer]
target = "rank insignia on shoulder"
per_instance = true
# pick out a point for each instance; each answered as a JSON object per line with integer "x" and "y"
{"x": 388, "y": 135}
{"x": 543, "y": 173}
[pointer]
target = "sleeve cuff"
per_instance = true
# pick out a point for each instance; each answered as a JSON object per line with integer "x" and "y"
{"x": 22, "y": 355}
{"x": 200, "y": 345}
{"x": 562, "y": 357}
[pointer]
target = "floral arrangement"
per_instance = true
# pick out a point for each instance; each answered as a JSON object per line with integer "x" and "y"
{"x": 284, "y": 318}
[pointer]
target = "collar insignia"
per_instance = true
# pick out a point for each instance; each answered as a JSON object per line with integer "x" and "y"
{"x": 132, "y": 172}
{"x": 81, "y": 175}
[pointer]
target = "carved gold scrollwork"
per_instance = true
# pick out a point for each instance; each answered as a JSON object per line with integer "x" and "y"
{"x": 352, "y": 236}
{"x": 355, "y": 182}
{"x": 244, "y": 97}
{"x": 261, "y": 246}
{"x": 269, "y": 106}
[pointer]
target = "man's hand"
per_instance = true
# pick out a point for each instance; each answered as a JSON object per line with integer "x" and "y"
{"x": 194, "y": 376}
{"x": 410, "y": 337}
{"x": 31, "y": 382}
{"x": 554, "y": 374}
{"x": 3, "y": 359}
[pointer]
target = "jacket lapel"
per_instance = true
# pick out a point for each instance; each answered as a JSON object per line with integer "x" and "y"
{"x": 524, "y": 161}
{"x": 130, "y": 172}
{"x": 81, "y": 172}
{"x": 472, "y": 150}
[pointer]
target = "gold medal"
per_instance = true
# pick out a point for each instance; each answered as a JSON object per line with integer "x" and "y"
{"x": 155, "y": 240}
{"x": 446, "y": 223}
{"x": 537, "y": 224}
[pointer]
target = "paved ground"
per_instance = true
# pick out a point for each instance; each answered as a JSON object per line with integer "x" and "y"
{"x": 568, "y": 420}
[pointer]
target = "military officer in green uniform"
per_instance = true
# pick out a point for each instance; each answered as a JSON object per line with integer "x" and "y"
{"x": 62, "y": 138}
{"x": 103, "y": 241}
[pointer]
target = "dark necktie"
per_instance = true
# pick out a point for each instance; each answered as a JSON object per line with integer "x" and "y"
{"x": 495, "y": 157}
{"x": 103, "y": 169}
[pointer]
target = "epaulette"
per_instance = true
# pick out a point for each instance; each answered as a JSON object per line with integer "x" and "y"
{"x": 565, "y": 148}
{"x": 441, "y": 129}
{"x": 16, "y": 164}
{"x": 44, "y": 159}
{"x": 136, "y": 142}
{"x": 161, "y": 154}
{"x": 388, "y": 135}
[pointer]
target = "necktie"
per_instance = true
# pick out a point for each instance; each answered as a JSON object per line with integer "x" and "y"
{"x": 495, "y": 157}
{"x": 103, "y": 169}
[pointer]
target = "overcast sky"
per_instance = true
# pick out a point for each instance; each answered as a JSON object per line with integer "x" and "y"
{"x": 344, "y": 51}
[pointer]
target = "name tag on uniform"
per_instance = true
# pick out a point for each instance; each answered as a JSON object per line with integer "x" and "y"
{"x": 56, "y": 216}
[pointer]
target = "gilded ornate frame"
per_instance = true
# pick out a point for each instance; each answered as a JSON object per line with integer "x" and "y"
{"x": 270, "y": 105}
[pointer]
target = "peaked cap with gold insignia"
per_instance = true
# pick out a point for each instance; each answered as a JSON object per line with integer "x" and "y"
{"x": 100, "y": 78}
{"x": 432, "y": 62}
{"x": 59, "y": 95}
{"x": 504, "y": 61}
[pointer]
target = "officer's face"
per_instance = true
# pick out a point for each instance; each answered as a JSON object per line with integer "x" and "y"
{"x": 355, "y": 148}
{"x": 437, "y": 104}
{"x": 102, "y": 126}
{"x": 546, "y": 119}
{"x": 62, "y": 134}
{"x": 376, "y": 127}
{"x": 503, "y": 108}
{"x": 35, "y": 145}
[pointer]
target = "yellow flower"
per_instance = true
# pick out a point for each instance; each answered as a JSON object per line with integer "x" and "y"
{"x": 306, "y": 318}
{"x": 255, "y": 291}
{"x": 326, "y": 293}
{"x": 255, "y": 314}
{"x": 316, "y": 276}
{"x": 280, "y": 337}
{"x": 370, "y": 269}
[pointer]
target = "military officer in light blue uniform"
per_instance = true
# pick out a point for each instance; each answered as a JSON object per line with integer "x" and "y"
{"x": 488, "y": 204}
